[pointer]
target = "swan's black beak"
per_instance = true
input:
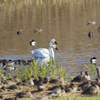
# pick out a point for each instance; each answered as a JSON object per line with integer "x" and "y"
{"x": 56, "y": 48}
{"x": 56, "y": 42}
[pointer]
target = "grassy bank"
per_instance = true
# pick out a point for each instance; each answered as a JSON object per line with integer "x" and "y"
{"x": 77, "y": 98}
{"x": 71, "y": 98}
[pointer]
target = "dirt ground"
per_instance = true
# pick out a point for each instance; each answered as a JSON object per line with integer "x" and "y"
{"x": 34, "y": 91}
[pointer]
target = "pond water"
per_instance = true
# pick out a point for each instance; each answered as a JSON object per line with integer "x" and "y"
{"x": 63, "y": 20}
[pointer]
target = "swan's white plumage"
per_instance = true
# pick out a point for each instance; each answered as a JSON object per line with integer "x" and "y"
{"x": 43, "y": 52}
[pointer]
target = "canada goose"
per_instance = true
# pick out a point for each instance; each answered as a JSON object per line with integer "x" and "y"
{"x": 24, "y": 94}
{"x": 72, "y": 88}
{"x": 57, "y": 81}
{"x": 79, "y": 77}
{"x": 93, "y": 89}
{"x": 58, "y": 91}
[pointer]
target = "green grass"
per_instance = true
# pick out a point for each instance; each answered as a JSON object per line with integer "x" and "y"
{"x": 92, "y": 70}
{"x": 51, "y": 70}
{"x": 77, "y": 98}
{"x": 69, "y": 98}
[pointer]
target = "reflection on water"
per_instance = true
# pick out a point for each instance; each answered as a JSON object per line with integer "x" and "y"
{"x": 63, "y": 20}
{"x": 41, "y": 60}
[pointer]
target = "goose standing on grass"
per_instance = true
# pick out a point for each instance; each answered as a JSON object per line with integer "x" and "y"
{"x": 93, "y": 89}
{"x": 72, "y": 88}
{"x": 86, "y": 77}
{"x": 32, "y": 43}
{"x": 43, "y": 52}
{"x": 79, "y": 78}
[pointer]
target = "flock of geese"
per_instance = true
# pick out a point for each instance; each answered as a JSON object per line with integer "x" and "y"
{"x": 56, "y": 87}
{"x": 42, "y": 88}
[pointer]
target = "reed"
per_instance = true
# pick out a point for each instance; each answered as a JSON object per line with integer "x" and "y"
{"x": 92, "y": 70}
{"x": 70, "y": 78}
{"x": 61, "y": 72}
{"x": 43, "y": 70}
{"x": 35, "y": 68}
{"x": 49, "y": 71}
{"x": 1, "y": 75}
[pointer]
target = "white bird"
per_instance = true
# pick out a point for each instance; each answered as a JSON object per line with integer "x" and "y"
{"x": 53, "y": 41}
{"x": 43, "y": 52}
{"x": 33, "y": 43}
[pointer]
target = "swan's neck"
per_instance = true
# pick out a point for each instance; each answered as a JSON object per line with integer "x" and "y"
{"x": 51, "y": 52}
{"x": 50, "y": 43}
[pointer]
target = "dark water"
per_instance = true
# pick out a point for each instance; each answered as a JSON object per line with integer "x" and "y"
{"x": 65, "y": 21}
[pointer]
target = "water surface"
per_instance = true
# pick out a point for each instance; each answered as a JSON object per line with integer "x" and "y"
{"x": 65, "y": 21}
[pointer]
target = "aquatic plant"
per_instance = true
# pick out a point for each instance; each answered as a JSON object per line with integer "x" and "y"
{"x": 70, "y": 78}
{"x": 61, "y": 72}
{"x": 92, "y": 70}
{"x": 49, "y": 71}
{"x": 42, "y": 70}
{"x": 35, "y": 67}
{"x": 1, "y": 75}
{"x": 4, "y": 75}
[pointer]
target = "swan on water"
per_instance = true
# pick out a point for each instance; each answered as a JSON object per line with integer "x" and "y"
{"x": 53, "y": 41}
{"x": 43, "y": 52}
{"x": 38, "y": 51}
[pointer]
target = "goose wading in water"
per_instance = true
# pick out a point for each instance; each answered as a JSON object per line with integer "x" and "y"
{"x": 42, "y": 52}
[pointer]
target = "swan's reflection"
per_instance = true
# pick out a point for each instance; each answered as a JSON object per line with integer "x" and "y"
{"x": 41, "y": 60}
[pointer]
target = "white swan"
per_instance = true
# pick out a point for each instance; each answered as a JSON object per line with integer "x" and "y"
{"x": 53, "y": 41}
{"x": 43, "y": 52}
{"x": 38, "y": 51}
